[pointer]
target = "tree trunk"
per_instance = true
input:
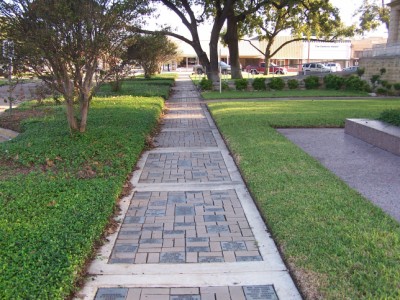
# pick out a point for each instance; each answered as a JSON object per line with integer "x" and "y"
{"x": 232, "y": 40}
{"x": 214, "y": 73}
{"x": 73, "y": 124}
{"x": 84, "y": 113}
{"x": 68, "y": 93}
{"x": 267, "y": 60}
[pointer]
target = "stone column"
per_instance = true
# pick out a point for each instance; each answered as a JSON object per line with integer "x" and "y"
{"x": 394, "y": 27}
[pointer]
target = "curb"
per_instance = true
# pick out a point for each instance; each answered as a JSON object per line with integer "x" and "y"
{"x": 6, "y": 134}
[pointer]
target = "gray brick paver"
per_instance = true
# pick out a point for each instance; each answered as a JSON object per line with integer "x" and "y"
{"x": 167, "y": 227}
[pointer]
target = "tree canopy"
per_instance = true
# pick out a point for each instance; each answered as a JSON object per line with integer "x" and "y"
{"x": 305, "y": 20}
{"x": 66, "y": 40}
{"x": 372, "y": 14}
{"x": 150, "y": 51}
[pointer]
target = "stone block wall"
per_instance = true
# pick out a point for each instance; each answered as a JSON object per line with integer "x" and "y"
{"x": 373, "y": 65}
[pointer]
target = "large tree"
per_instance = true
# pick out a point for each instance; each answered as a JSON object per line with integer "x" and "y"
{"x": 192, "y": 13}
{"x": 372, "y": 14}
{"x": 313, "y": 20}
{"x": 66, "y": 40}
{"x": 150, "y": 51}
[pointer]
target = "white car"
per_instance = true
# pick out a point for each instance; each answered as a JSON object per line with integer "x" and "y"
{"x": 335, "y": 67}
{"x": 315, "y": 67}
{"x": 351, "y": 69}
{"x": 225, "y": 68}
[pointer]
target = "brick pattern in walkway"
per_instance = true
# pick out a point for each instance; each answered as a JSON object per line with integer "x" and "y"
{"x": 190, "y": 230}
{"x": 185, "y": 227}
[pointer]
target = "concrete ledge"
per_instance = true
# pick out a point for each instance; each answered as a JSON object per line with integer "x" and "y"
{"x": 377, "y": 133}
{"x": 6, "y": 134}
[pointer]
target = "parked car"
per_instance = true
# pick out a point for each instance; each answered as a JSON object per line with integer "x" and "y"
{"x": 351, "y": 69}
{"x": 273, "y": 68}
{"x": 315, "y": 67}
{"x": 335, "y": 67}
{"x": 225, "y": 68}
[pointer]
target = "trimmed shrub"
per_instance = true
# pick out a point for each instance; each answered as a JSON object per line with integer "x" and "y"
{"x": 225, "y": 86}
{"x": 206, "y": 84}
{"x": 276, "y": 83}
{"x": 375, "y": 79}
{"x": 259, "y": 84}
{"x": 360, "y": 71}
{"x": 311, "y": 82}
{"x": 333, "y": 82}
{"x": 355, "y": 83}
{"x": 396, "y": 86}
{"x": 382, "y": 91}
{"x": 293, "y": 84}
{"x": 241, "y": 84}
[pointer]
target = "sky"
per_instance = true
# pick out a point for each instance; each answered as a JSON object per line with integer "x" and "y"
{"x": 346, "y": 8}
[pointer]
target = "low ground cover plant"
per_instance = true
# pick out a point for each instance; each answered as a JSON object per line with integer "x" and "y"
{"x": 391, "y": 116}
{"x": 58, "y": 191}
{"x": 338, "y": 244}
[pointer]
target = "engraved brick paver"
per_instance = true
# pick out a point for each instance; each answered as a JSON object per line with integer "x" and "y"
{"x": 254, "y": 292}
{"x": 187, "y": 227}
{"x": 194, "y": 224}
{"x": 184, "y": 167}
{"x": 197, "y": 138}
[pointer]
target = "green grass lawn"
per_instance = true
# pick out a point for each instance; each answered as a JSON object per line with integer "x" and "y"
{"x": 156, "y": 86}
{"x": 57, "y": 192}
{"x": 209, "y": 95}
{"x": 338, "y": 244}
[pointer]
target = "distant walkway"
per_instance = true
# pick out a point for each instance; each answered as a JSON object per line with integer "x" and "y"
{"x": 189, "y": 230}
{"x": 373, "y": 172}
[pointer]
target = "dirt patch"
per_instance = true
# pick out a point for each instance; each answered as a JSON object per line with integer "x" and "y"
{"x": 9, "y": 168}
{"x": 13, "y": 121}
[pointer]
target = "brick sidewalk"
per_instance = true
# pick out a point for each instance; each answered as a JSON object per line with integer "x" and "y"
{"x": 190, "y": 229}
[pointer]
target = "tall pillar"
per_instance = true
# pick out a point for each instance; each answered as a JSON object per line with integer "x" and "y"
{"x": 394, "y": 26}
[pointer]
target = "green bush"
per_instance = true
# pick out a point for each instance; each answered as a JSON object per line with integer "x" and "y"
{"x": 360, "y": 71}
{"x": 276, "y": 83}
{"x": 293, "y": 84}
{"x": 333, "y": 82}
{"x": 225, "y": 86}
{"x": 391, "y": 116}
{"x": 312, "y": 82}
{"x": 259, "y": 84}
{"x": 375, "y": 79}
{"x": 396, "y": 86}
{"x": 206, "y": 84}
{"x": 241, "y": 84}
{"x": 382, "y": 91}
{"x": 355, "y": 83}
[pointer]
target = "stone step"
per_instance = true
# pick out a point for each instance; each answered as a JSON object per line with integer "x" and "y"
{"x": 6, "y": 134}
{"x": 377, "y": 133}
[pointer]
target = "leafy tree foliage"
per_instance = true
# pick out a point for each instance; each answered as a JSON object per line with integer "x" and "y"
{"x": 307, "y": 20}
{"x": 63, "y": 42}
{"x": 150, "y": 51}
{"x": 192, "y": 13}
{"x": 372, "y": 14}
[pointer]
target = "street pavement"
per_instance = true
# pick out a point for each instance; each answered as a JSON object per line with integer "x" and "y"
{"x": 190, "y": 229}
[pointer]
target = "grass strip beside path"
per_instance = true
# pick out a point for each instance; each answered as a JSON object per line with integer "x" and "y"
{"x": 338, "y": 244}
{"x": 58, "y": 192}
{"x": 209, "y": 95}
